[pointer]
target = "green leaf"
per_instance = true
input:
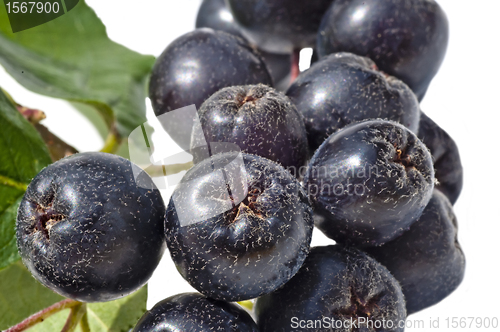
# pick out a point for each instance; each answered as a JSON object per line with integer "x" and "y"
{"x": 8, "y": 248}
{"x": 115, "y": 316}
{"x": 119, "y": 315}
{"x": 72, "y": 58}
{"x": 23, "y": 155}
{"x": 21, "y": 295}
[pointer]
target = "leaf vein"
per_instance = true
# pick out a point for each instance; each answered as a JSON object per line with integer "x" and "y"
{"x": 6, "y": 181}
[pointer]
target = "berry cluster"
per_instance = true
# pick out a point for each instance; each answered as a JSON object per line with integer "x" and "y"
{"x": 342, "y": 146}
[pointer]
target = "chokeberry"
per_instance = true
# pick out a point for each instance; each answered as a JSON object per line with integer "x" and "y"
{"x": 214, "y": 14}
{"x": 195, "y": 66}
{"x": 337, "y": 289}
{"x": 279, "y": 26}
{"x": 427, "y": 260}
{"x": 446, "y": 157}
{"x": 238, "y": 226}
{"x": 257, "y": 118}
{"x": 90, "y": 227}
{"x": 369, "y": 181}
{"x": 406, "y": 38}
{"x": 194, "y": 312}
{"x": 343, "y": 88}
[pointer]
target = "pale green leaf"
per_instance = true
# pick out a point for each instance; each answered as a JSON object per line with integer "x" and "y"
{"x": 71, "y": 57}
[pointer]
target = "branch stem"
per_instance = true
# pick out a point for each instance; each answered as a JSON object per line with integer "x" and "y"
{"x": 74, "y": 317}
{"x": 43, "y": 314}
{"x": 112, "y": 142}
{"x": 294, "y": 70}
{"x": 84, "y": 322}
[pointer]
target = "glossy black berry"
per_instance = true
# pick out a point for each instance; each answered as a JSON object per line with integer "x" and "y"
{"x": 195, "y": 66}
{"x": 88, "y": 230}
{"x": 368, "y": 182}
{"x": 343, "y": 88}
{"x": 194, "y": 312}
{"x": 335, "y": 286}
{"x": 279, "y": 26}
{"x": 257, "y": 118}
{"x": 427, "y": 260}
{"x": 447, "y": 162}
{"x": 405, "y": 38}
{"x": 214, "y": 14}
{"x": 238, "y": 226}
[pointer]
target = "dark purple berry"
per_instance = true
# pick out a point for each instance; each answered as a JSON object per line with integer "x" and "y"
{"x": 279, "y": 26}
{"x": 446, "y": 157}
{"x": 427, "y": 260}
{"x": 90, "y": 230}
{"x": 195, "y": 66}
{"x": 343, "y": 88}
{"x": 257, "y": 118}
{"x": 335, "y": 285}
{"x": 194, "y": 312}
{"x": 368, "y": 182}
{"x": 238, "y": 226}
{"x": 406, "y": 38}
{"x": 214, "y": 14}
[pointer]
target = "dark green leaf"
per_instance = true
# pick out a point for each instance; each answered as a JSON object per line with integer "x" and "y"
{"x": 23, "y": 155}
{"x": 70, "y": 4}
{"x": 22, "y": 19}
{"x": 72, "y": 58}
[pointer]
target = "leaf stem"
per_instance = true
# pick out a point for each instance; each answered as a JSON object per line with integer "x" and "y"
{"x": 74, "y": 317}
{"x": 43, "y": 314}
{"x": 84, "y": 322}
{"x": 165, "y": 170}
{"x": 58, "y": 149}
{"x": 112, "y": 142}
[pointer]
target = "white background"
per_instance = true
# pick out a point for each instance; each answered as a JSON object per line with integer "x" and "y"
{"x": 462, "y": 99}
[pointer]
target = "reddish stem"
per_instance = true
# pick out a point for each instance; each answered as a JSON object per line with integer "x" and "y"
{"x": 295, "y": 71}
{"x": 43, "y": 314}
